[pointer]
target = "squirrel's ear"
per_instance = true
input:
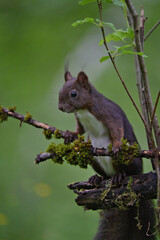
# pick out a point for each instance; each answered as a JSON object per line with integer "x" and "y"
{"x": 67, "y": 76}
{"x": 82, "y": 80}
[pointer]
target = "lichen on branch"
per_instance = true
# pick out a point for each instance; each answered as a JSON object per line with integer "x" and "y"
{"x": 27, "y": 117}
{"x": 3, "y": 115}
{"x": 76, "y": 153}
{"x": 126, "y": 154}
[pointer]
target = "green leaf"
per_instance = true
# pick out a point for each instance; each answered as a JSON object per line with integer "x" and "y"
{"x": 84, "y": 2}
{"x": 118, "y": 49}
{"x": 101, "y": 42}
{"x": 131, "y": 52}
{"x": 120, "y": 35}
{"x": 109, "y": 1}
{"x": 113, "y": 37}
{"x": 122, "y": 50}
{"x": 86, "y": 20}
{"x": 130, "y": 32}
{"x": 104, "y": 59}
{"x": 111, "y": 25}
{"x": 119, "y": 3}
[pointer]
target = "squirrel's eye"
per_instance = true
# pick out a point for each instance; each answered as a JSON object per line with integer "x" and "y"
{"x": 73, "y": 94}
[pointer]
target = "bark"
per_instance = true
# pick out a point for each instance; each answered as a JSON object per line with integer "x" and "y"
{"x": 104, "y": 196}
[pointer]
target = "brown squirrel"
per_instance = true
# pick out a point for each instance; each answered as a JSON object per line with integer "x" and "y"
{"x": 105, "y": 123}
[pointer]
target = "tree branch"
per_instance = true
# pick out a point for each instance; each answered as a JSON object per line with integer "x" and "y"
{"x": 67, "y": 136}
{"x": 64, "y": 134}
{"x": 149, "y": 33}
{"x": 141, "y": 88}
{"x": 143, "y": 69}
{"x": 104, "y": 196}
{"x": 97, "y": 152}
{"x": 147, "y": 95}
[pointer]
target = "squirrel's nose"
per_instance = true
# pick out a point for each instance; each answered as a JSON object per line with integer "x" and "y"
{"x": 60, "y": 107}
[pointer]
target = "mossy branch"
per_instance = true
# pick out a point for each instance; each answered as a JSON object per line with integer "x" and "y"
{"x": 81, "y": 153}
{"x": 81, "y": 150}
{"x": 41, "y": 157}
{"x": 76, "y": 153}
{"x": 104, "y": 196}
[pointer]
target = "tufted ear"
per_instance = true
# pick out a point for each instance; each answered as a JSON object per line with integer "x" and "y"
{"x": 82, "y": 80}
{"x": 67, "y": 76}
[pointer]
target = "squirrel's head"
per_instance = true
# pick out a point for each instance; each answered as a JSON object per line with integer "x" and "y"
{"x": 75, "y": 93}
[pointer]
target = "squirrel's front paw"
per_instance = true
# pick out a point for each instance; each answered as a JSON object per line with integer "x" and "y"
{"x": 118, "y": 178}
{"x": 95, "y": 179}
{"x": 116, "y": 148}
{"x": 70, "y": 136}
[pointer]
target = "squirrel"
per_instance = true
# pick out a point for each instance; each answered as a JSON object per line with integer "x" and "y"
{"x": 105, "y": 122}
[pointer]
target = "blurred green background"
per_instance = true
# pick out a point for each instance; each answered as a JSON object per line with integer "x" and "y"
{"x": 35, "y": 39}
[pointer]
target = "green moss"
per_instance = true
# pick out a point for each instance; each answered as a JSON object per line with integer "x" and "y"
{"x": 120, "y": 201}
{"x": 57, "y": 134}
{"x": 12, "y": 109}
{"x": 126, "y": 154}
{"x": 58, "y": 150}
{"x": 128, "y": 198}
{"x": 105, "y": 192}
{"x": 139, "y": 225}
{"x": 48, "y": 134}
{"x": 3, "y": 115}
{"x": 76, "y": 153}
{"x": 27, "y": 117}
{"x": 129, "y": 184}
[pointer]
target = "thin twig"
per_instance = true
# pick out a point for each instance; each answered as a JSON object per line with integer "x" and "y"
{"x": 141, "y": 26}
{"x": 155, "y": 108}
{"x": 114, "y": 65}
{"x": 64, "y": 134}
{"x": 142, "y": 96}
{"x": 148, "y": 229}
{"x": 154, "y": 27}
{"x": 30, "y": 121}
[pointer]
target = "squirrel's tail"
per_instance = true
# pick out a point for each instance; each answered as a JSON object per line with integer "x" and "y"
{"x": 118, "y": 224}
